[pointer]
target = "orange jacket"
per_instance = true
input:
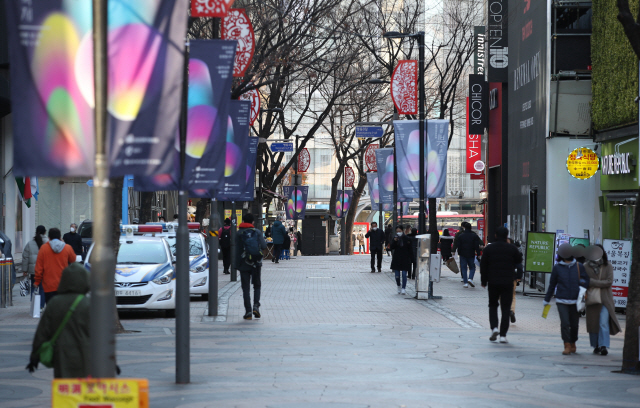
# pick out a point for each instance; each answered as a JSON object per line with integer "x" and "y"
{"x": 49, "y": 265}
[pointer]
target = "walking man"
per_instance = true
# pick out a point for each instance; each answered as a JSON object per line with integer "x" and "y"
{"x": 467, "y": 243}
{"x": 498, "y": 271}
{"x": 224, "y": 235}
{"x": 278, "y": 234}
{"x": 73, "y": 238}
{"x": 377, "y": 240}
{"x": 250, "y": 243}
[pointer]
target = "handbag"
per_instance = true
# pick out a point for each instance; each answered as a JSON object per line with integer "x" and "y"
{"x": 25, "y": 286}
{"x": 35, "y": 304}
{"x": 580, "y": 304}
{"x": 593, "y": 297}
{"x": 453, "y": 265}
{"x": 45, "y": 351}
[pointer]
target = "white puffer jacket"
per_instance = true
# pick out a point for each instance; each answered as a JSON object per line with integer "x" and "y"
{"x": 30, "y": 255}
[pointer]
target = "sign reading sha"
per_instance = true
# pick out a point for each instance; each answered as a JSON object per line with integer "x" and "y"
{"x": 583, "y": 163}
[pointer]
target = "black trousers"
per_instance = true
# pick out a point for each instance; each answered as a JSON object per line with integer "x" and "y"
{"x": 246, "y": 279}
{"x": 500, "y": 295}
{"x": 226, "y": 258}
{"x": 569, "y": 322}
{"x": 376, "y": 252}
{"x": 277, "y": 249}
{"x": 49, "y": 295}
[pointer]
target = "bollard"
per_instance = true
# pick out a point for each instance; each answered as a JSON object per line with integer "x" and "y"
{"x": 6, "y": 298}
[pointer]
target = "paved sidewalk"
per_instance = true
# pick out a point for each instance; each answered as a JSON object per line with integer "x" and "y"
{"x": 335, "y": 335}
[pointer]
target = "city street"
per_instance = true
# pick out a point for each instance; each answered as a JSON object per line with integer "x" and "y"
{"x": 334, "y": 335}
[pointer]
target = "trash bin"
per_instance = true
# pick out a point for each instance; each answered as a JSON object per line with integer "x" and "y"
{"x": 334, "y": 244}
{"x": 424, "y": 265}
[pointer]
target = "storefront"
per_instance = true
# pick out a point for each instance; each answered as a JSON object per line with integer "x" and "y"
{"x": 619, "y": 185}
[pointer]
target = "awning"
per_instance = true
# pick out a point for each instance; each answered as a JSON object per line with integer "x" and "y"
{"x": 623, "y": 197}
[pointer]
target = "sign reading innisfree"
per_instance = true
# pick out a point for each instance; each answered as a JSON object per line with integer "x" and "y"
{"x": 540, "y": 251}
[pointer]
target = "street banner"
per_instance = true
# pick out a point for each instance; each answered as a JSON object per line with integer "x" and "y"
{"x": 210, "y": 8}
{"x": 304, "y": 160}
{"x": 374, "y": 192}
{"x": 343, "y": 202}
{"x": 404, "y": 87}
{"x": 237, "y": 26}
{"x": 384, "y": 162}
{"x": 370, "y": 157}
{"x": 619, "y": 255}
{"x": 253, "y": 96}
{"x": 210, "y": 68}
{"x": 540, "y": 251}
{"x": 252, "y": 154}
{"x": 349, "y": 177}
{"x": 296, "y": 201}
{"x": 408, "y": 150}
{"x": 51, "y": 53}
{"x": 235, "y": 173}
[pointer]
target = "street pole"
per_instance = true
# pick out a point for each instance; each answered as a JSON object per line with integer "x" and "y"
{"x": 343, "y": 239}
{"x": 422, "y": 228}
{"x": 182, "y": 247}
{"x": 214, "y": 225}
{"x": 234, "y": 226}
{"x": 295, "y": 181}
{"x": 103, "y": 263}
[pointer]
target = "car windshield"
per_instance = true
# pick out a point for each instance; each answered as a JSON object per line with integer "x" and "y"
{"x": 85, "y": 230}
{"x": 138, "y": 253}
{"x": 195, "y": 245}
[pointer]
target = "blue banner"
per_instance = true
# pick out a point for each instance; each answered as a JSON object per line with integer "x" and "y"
{"x": 252, "y": 155}
{"x": 384, "y": 161}
{"x": 296, "y": 201}
{"x": 374, "y": 191}
{"x": 52, "y": 87}
{"x": 343, "y": 202}
{"x": 237, "y": 150}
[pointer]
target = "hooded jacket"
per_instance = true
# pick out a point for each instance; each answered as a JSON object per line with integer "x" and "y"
{"x": 30, "y": 256}
{"x": 71, "y": 350}
{"x": 278, "y": 232}
{"x": 262, "y": 244}
{"x": 53, "y": 257}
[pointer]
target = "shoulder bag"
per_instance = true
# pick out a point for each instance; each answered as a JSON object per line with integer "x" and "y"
{"x": 593, "y": 296}
{"x": 45, "y": 352}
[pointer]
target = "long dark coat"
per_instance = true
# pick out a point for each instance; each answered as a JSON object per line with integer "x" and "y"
{"x": 601, "y": 276}
{"x": 71, "y": 350}
{"x": 402, "y": 254}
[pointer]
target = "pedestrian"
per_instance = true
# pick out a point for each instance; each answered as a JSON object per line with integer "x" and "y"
{"x": 267, "y": 232}
{"x": 162, "y": 219}
{"x": 286, "y": 245}
{"x": 446, "y": 241}
{"x": 71, "y": 353}
{"x": 5, "y": 249}
{"x": 402, "y": 255}
{"x": 601, "y": 317}
{"x": 361, "y": 246}
{"x": 377, "y": 240}
{"x": 250, "y": 244}
{"x": 30, "y": 256}
{"x": 467, "y": 244}
{"x": 411, "y": 234}
{"x": 298, "y": 243}
{"x": 53, "y": 257}
{"x": 224, "y": 237}
{"x": 519, "y": 274}
{"x": 388, "y": 232}
{"x": 498, "y": 272}
{"x": 278, "y": 232}
{"x": 74, "y": 239}
{"x": 566, "y": 278}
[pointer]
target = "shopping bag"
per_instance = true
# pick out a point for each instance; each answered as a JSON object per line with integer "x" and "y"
{"x": 452, "y": 265}
{"x": 580, "y": 304}
{"x": 25, "y": 286}
{"x": 545, "y": 310}
{"x": 35, "y": 304}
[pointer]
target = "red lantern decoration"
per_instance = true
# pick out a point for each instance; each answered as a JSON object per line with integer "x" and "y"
{"x": 210, "y": 8}
{"x": 349, "y": 177}
{"x": 404, "y": 87}
{"x": 253, "y": 96}
{"x": 370, "y": 157}
{"x": 237, "y": 26}
{"x": 304, "y": 160}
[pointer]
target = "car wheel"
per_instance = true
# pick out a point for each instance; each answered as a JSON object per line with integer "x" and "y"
{"x": 170, "y": 313}
{"x": 205, "y": 296}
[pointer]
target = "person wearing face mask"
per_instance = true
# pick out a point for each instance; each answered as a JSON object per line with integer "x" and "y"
{"x": 601, "y": 316}
{"x": 74, "y": 239}
{"x": 402, "y": 256}
{"x": 377, "y": 239}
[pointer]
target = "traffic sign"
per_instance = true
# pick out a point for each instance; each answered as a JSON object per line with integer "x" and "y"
{"x": 369, "y": 132}
{"x": 281, "y": 147}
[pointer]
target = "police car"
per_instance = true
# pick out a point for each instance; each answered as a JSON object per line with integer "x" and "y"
{"x": 145, "y": 272}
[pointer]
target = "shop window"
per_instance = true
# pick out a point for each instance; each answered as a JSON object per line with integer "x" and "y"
{"x": 626, "y": 222}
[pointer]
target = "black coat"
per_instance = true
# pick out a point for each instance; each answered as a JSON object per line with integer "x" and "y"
{"x": 377, "y": 239}
{"x": 445, "y": 246}
{"x": 75, "y": 240}
{"x": 402, "y": 254}
{"x": 467, "y": 244}
{"x": 499, "y": 262}
{"x": 414, "y": 245}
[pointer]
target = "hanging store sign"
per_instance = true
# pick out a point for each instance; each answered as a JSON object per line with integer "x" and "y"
{"x": 583, "y": 163}
{"x": 480, "y": 55}
{"x": 237, "y": 26}
{"x": 304, "y": 160}
{"x": 497, "y": 39}
{"x": 478, "y": 114}
{"x": 210, "y": 8}
{"x": 618, "y": 163}
{"x": 349, "y": 177}
{"x": 404, "y": 87}
{"x": 619, "y": 254}
{"x": 370, "y": 157}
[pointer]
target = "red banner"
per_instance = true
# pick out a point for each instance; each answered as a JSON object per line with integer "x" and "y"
{"x": 370, "y": 157}
{"x": 404, "y": 87}
{"x": 349, "y": 177}
{"x": 474, "y": 143}
{"x": 237, "y": 26}
{"x": 253, "y": 96}
{"x": 304, "y": 160}
{"x": 210, "y": 8}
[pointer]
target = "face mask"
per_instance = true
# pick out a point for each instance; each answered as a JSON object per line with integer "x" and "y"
{"x": 73, "y": 229}
{"x": 399, "y": 234}
{"x": 374, "y": 228}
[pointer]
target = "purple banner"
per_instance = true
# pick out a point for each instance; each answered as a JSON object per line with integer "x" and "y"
{"x": 343, "y": 202}
{"x": 51, "y": 53}
{"x": 252, "y": 155}
{"x": 296, "y": 201}
{"x": 374, "y": 191}
{"x": 384, "y": 161}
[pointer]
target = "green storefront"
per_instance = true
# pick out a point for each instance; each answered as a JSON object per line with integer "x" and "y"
{"x": 619, "y": 185}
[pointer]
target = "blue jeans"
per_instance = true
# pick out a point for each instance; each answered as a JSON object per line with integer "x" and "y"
{"x": 601, "y": 338}
{"x": 463, "y": 268}
{"x": 404, "y": 278}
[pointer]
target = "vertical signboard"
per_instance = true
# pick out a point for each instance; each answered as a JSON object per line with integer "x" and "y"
{"x": 497, "y": 39}
{"x": 478, "y": 113}
{"x": 343, "y": 202}
{"x": 384, "y": 161}
{"x": 540, "y": 251}
{"x": 480, "y": 55}
{"x": 436, "y": 161}
{"x": 374, "y": 192}
{"x": 619, "y": 255}
{"x": 296, "y": 201}
{"x": 235, "y": 171}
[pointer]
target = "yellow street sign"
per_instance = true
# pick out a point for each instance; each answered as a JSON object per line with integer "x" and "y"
{"x": 583, "y": 163}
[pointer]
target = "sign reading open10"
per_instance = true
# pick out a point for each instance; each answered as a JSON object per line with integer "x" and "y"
{"x": 583, "y": 163}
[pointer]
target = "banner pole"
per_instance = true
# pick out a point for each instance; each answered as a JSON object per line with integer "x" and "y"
{"x": 103, "y": 308}
{"x": 214, "y": 225}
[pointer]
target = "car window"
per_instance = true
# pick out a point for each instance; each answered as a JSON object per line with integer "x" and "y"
{"x": 195, "y": 245}
{"x": 86, "y": 230}
{"x": 142, "y": 253}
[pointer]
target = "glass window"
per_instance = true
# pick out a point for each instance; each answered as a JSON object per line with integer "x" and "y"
{"x": 195, "y": 245}
{"x": 142, "y": 253}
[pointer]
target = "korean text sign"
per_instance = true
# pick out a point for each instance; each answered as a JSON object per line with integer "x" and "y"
{"x": 84, "y": 392}
{"x": 619, "y": 255}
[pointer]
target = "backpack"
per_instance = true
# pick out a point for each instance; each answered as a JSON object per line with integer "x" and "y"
{"x": 251, "y": 253}
{"x": 225, "y": 238}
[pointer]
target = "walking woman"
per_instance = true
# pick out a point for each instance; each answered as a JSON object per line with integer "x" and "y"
{"x": 29, "y": 257}
{"x": 567, "y": 275}
{"x": 601, "y": 318}
{"x": 402, "y": 256}
{"x": 446, "y": 240}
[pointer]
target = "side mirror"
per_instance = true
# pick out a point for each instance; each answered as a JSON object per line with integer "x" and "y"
{"x": 173, "y": 259}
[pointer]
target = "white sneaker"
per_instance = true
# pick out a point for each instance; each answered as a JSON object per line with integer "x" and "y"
{"x": 503, "y": 339}
{"x": 471, "y": 283}
{"x": 466, "y": 285}
{"x": 399, "y": 289}
{"x": 494, "y": 334}
{"x": 404, "y": 292}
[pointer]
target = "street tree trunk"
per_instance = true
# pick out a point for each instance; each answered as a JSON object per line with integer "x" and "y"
{"x": 146, "y": 202}
{"x": 630, "y": 357}
{"x": 116, "y": 192}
